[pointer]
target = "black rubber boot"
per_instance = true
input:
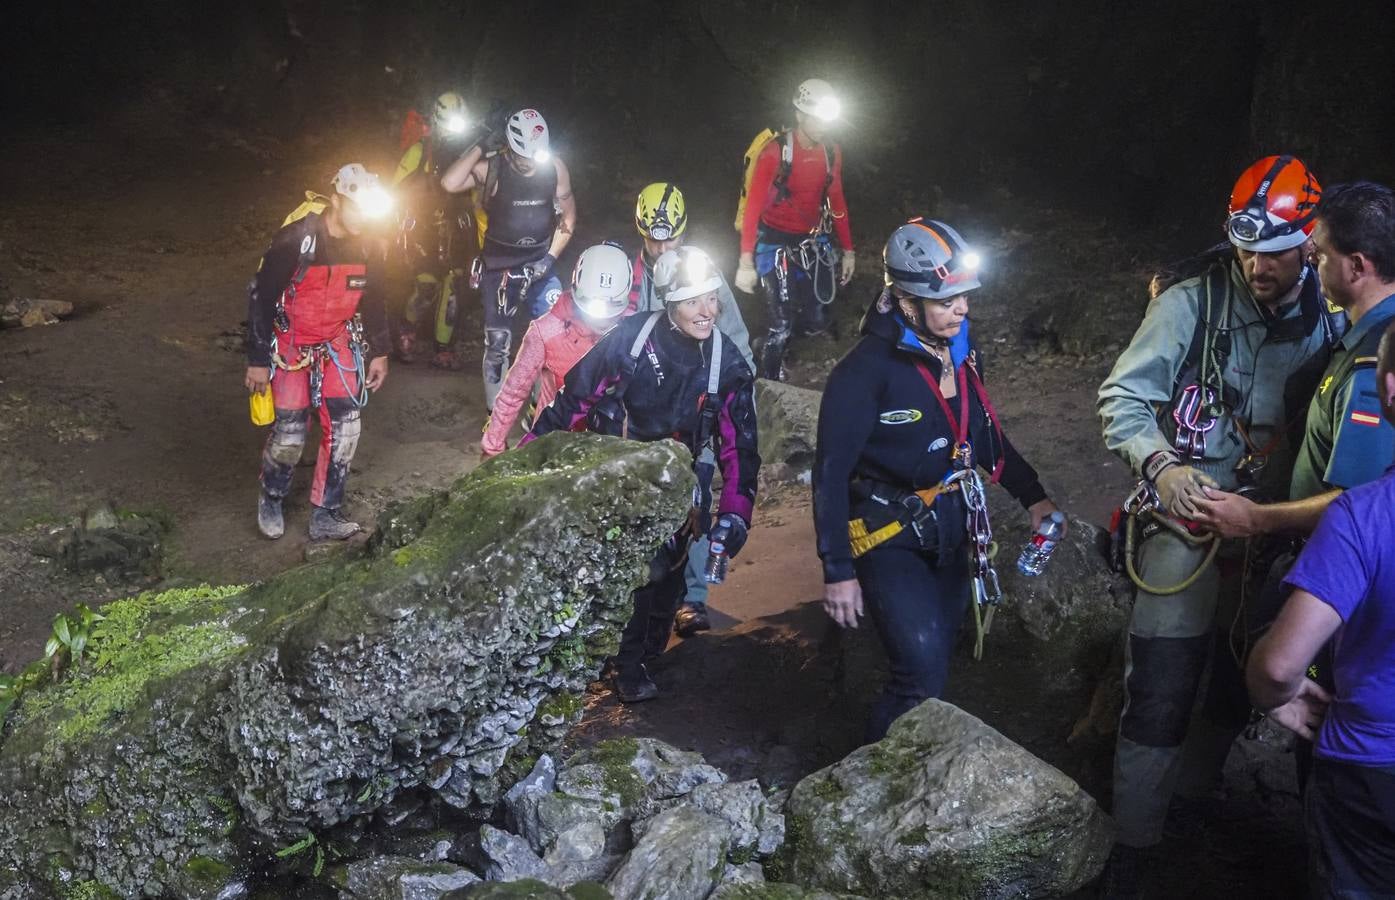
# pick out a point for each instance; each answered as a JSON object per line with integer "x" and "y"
{"x": 692, "y": 618}
{"x": 270, "y": 521}
{"x": 330, "y": 525}
{"x": 634, "y": 687}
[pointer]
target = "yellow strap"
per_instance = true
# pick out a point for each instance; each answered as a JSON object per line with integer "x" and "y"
{"x": 863, "y": 540}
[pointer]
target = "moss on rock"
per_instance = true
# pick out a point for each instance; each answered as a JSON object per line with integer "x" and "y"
{"x": 460, "y": 642}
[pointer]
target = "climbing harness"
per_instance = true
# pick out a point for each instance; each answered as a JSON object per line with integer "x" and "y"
{"x": 314, "y": 356}
{"x": 1143, "y": 503}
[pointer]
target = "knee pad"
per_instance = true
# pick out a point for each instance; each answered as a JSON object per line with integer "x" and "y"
{"x": 288, "y": 435}
{"x": 497, "y": 342}
{"x": 1160, "y": 690}
{"x": 346, "y": 423}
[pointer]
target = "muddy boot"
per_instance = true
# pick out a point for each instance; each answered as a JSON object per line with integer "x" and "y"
{"x": 270, "y": 522}
{"x": 692, "y": 618}
{"x": 448, "y": 360}
{"x": 330, "y": 525}
{"x": 1123, "y": 874}
{"x": 634, "y": 687}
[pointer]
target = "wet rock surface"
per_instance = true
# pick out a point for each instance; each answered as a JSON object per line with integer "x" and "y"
{"x": 400, "y": 878}
{"x": 944, "y": 806}
{"x": 217, "y": 726}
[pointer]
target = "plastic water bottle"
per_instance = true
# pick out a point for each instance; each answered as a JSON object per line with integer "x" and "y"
{"x": 717, "y": 560}
{"x": 1034, "y": 556}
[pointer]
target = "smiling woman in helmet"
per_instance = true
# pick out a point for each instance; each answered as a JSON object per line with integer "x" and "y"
{"x": 669, "y": 374}
{"x": 902, "y": 410}
{"x": 599, "y": 296}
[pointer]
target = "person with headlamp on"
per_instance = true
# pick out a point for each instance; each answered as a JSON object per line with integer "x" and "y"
{"x": 670, "y": 374}
{"x": 793, "y": 212}
{"x": 526, "y": 194}
{"x": 556, "y": 340}
{"x": 317, "y": 332}
{"x": 661, "y": 218}
{"x": 904, "y": 414}
{"x": 438, "y": 235}
{"x": 1209, "y": 395}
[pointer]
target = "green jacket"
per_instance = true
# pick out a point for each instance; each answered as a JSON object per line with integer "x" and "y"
{"x": 729, "y": 321}
{"x": 1270, "y": 374}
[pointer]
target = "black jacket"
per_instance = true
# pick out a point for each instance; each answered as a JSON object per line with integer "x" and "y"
{"x": 881, "y": 424}
{"x": 663, "y": 399}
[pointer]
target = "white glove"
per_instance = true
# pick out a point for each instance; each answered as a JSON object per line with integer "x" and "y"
{"x": 746, "y": 277}
{"x": 1179, "y": 487}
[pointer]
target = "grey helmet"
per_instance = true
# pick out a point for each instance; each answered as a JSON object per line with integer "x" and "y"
{"x": 929, "y": 259}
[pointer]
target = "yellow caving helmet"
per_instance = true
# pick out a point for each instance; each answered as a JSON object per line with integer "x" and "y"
{"x": 660, "y": 212}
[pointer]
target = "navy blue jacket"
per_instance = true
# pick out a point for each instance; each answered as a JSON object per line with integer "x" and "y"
{"x": 881, "y": 423}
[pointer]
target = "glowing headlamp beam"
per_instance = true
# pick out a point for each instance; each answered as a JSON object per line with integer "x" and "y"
{"x": 455, "y": 124}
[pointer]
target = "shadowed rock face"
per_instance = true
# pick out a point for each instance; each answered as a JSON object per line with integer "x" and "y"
{"x": 210, "y": 727}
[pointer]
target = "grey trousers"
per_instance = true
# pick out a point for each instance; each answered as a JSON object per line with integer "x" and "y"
{"x": 1171, "y": 640}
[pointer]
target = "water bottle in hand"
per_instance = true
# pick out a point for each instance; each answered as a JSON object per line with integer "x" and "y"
{"x": 1032, "y": 562}
{"x": 716, "y": 562}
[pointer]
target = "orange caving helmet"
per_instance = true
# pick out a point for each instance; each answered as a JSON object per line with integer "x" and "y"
{"x": 1273, "y": 205}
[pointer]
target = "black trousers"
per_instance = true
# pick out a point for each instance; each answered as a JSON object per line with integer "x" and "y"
{"x": 655, "y": 605}
{"x": 916, "y": 607}
{"x": 1350, "y": 817}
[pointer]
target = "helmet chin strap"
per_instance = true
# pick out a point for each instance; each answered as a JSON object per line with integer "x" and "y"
{"x": 914, "y": 315}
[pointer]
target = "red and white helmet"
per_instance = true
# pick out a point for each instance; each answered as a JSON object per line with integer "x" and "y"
{"x": 1273, "y": 205}
{"x": 528, "y": 136}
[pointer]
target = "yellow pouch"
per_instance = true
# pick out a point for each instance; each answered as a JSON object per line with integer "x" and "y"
{"x": 263, "y": 410}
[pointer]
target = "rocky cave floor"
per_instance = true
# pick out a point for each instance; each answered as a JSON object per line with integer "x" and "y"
{"x": 136, "y": 401}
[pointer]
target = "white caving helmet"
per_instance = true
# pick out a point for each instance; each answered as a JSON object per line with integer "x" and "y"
{"x": 815, "y": 98}
{"x": 356, "y": 183}
{"x": 601, "y": 282}
{"x": 927, "y": 258}
{"x": 528, "y": 136}
{"x": 451, "y": 116}
{"x": 685, "y": 273}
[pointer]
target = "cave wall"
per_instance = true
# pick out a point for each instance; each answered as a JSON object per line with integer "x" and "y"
{"x": 1144, "y": 110}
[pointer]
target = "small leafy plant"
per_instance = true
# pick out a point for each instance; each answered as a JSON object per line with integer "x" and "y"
{"x": 70, "y": 637}
{"x": 301, "y": 846}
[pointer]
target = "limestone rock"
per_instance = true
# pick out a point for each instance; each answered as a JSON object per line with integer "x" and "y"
{"x": 221, "y": 724}
{"x": 770, "y": 890}
{"x": 1074, "y": 612}
{"x": 399, "y": 878}
{"x": 530, "y": 889}
{"x": 680, "y": 856}
{"x": 24, "y": 312}
{"x": 945, "y": 806}
{"x": 510, "y": 857}
{"x": 788, "y": 426}
{"x": 756, "y": 830}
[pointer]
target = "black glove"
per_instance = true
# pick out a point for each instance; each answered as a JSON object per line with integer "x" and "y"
{"x": 730, "y": 533}
{"x": 538, "y": 270}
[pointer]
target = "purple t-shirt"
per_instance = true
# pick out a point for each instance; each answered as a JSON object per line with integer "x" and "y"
{"x": 1349, "y": 564}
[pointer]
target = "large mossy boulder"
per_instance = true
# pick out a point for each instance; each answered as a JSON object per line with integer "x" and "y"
{"x": 209, "y": 728}
{"x": 944, "y": 807}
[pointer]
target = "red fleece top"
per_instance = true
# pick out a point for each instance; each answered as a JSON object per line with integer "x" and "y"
{"x": 799, "y": 212}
